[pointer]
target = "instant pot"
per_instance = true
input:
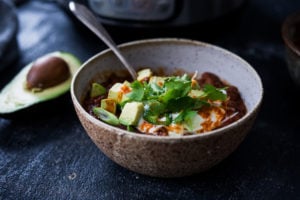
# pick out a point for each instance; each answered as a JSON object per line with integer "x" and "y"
{"x": 159, "y": 12}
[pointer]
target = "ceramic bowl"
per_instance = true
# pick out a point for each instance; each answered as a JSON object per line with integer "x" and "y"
{"x": 169, "y": 156}
{"x": 291, "y": 35}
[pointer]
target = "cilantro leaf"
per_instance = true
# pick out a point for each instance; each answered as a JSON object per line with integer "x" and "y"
{"x": 185, "y": 116}
{"x": 214, "y": 93}
{"x": 185, "y": 77}
{"x": 137, "y": 92}
{"x": 152, "y": 110}
{"x": 168, "y": 119}
{"x": 178, "y": 104}
{"x": 153, "y": 119}
{"x": 185, "y": 103}
{"x": 188, "y": 117}
{"x": 152, "y": 91}
{"x": 198, "y": 104}
{"x": 179, "y": 118}
{"x": 175, "y": 87}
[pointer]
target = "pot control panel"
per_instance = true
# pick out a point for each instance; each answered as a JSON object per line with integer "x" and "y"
{"x": 139, "y": 10}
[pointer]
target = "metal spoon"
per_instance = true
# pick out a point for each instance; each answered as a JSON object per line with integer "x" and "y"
{"x": 89, "y": 19}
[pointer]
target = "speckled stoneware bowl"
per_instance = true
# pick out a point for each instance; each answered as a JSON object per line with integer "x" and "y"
{"x": 169, "y": 156}
{"x": 291, "y": 35}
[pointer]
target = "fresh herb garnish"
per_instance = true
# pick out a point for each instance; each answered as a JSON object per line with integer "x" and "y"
{"x": 137, "y": 92}
{"x": 152, "y": 91}
{"x": 173, "y": 99}
{"x": 175, "y": 87}
{"x": 214, "y": 93}
{"x": 172, "y": 96}
{"x": 153, "y": 109}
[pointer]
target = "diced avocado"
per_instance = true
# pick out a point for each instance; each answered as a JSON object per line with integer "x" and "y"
{"x": 125, "y": 89}
{"x": 196, "y": 93}
{"x": 118, "y": 92}
{"x": 158, "y": 80}
{"x": 97, "y": 90}
{"x": 109, "y": 104}
{"x": 115, "y": 92}
{"x": 106, "y": 116}
{"x": 124, "y": 99}
{"x": 193, "y": 121}
{"x": 144, "y": 74}
{"x": 16, "y": 96}
{"x": 126, "y": 83}
{"x": 131, "y": 113}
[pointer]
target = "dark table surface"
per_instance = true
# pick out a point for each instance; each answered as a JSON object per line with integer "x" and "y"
{"x": 49, "y": 155}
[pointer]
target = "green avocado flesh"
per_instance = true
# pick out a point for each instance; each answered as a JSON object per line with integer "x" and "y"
{"x": 14, "y": 96}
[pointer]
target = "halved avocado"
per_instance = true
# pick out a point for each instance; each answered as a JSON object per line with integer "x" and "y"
{"x": 15, "y": 96}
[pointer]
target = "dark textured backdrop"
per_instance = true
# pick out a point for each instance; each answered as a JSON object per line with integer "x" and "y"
{"x": 49, "y": 156}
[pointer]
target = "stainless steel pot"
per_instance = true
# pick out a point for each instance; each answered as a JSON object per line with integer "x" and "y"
{"x": 164, "y": 12}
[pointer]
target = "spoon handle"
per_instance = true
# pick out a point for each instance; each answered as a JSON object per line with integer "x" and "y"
{"x": 89, "y": 19}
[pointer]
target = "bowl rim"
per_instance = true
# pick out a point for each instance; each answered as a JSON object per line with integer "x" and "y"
{"x": 122, "y": 132}
{"x": 287, "y": 23}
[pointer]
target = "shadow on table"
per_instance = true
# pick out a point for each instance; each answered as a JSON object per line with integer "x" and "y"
{"x": 49, "y": 121}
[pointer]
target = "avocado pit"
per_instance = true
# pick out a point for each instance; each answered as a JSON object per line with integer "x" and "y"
{"x": 47, "y": 72}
